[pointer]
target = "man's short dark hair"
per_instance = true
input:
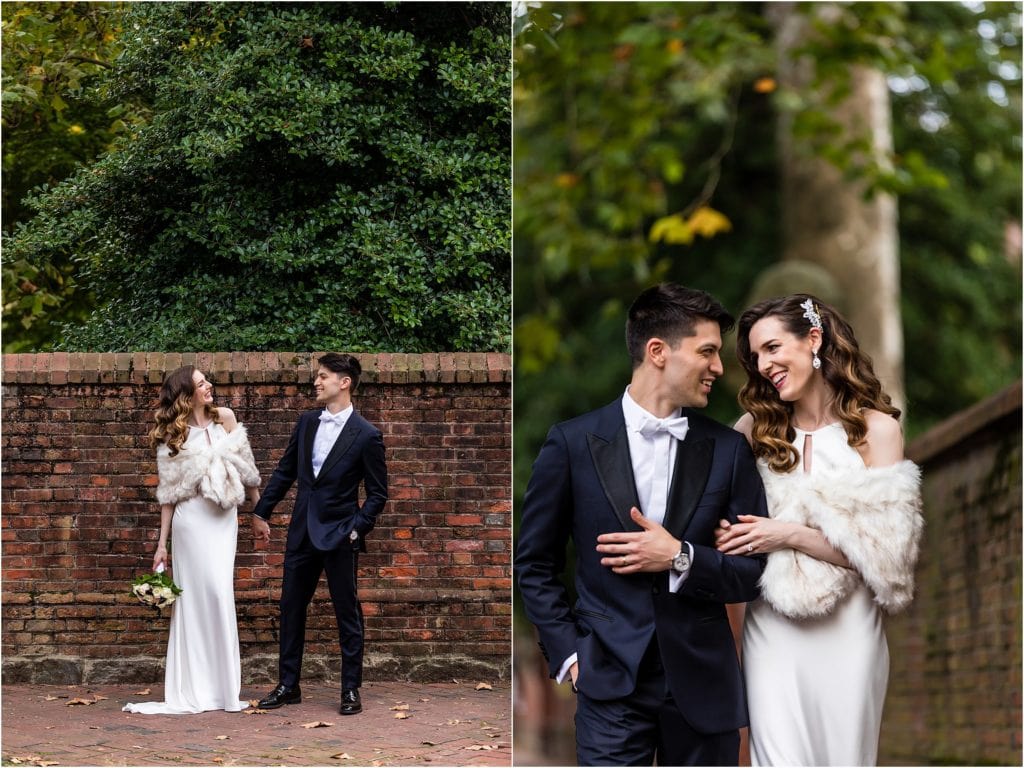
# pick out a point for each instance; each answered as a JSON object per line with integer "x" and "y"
{"x": 670, "y": 311}
{"x": 343, "y": 363}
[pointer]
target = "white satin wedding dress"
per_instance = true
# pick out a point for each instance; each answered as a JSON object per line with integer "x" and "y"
{"x": 816, "y": 686}
{"x": 203, "y": 669}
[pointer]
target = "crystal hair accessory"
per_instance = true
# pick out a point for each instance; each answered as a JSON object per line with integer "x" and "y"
{"x": 811, "y": 313}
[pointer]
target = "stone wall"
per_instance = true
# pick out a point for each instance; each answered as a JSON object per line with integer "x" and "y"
{"x": 955, "y": 685}
{"x": 80, "y": 519}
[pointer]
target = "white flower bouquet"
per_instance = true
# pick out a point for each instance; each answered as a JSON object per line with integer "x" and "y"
{"x": 156, "y": 589}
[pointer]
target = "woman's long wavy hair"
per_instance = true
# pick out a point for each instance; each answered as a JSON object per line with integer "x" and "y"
{"x": 175, "y": 409}
{"x": 847, "y": 371}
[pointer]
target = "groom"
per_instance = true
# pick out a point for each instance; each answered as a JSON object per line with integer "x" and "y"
{"x": 647, "y": 644}
{"x": 331, "y": 451}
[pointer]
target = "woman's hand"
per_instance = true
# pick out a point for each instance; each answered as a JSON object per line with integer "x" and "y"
{"x": 160, "y": 558}
{"x": 752, "y": 535}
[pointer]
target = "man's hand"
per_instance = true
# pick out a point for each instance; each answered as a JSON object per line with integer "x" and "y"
{"x": 574, "y": 672}
{"x": 260, "y": 529}
{"x": 646, "y": 551}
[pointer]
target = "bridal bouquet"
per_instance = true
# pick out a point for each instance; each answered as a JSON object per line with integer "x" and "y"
{"x": 156, "y": 589}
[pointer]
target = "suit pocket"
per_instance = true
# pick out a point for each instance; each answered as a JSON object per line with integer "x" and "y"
{"x": 593, "y": 614}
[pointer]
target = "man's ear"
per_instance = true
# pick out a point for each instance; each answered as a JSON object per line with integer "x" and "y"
{"x": 655, "y": 349}
{"x": 345, "y": 382}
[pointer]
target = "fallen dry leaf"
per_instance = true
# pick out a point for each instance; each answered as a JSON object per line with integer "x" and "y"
{"x": 53, "y": 698}
{"x": 144, "y": 692}
{"x": 454, "y": 722}
{"x": 341, "y": 756}
{"x": 488, "y": 727}
{"x": 484, "y": 687}
{"x": 428, "y": 743}
{"x": 402, "y": 715}
{"x": 217, "y": 760}
{"x": 424, "y": 699}
{"x": 256, "y": 711}
{"x": 254, "y": 702}
{"x": 478, "y": 747}
{"x": 97, "y": 697}
{"x": 80, "y": 702}
{"x": 400, "y": 708}
{"x": 317, "y": 724}
{"x": 222, "y": 738}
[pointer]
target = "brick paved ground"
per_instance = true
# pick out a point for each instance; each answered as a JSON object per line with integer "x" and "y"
{"x": 448, "y": 724}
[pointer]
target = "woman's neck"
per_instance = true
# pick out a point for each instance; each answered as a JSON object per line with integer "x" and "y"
{"x": 814, "y": 409}
{"x": 200, "y": 419}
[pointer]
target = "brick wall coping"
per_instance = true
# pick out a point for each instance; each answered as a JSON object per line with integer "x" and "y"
{"x": 962, "y": 425}
{"x": 251, "y": 367}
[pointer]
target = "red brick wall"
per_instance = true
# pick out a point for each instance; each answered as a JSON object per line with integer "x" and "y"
{"x": 80, "y": 517}
{"x": 955, "y": 676}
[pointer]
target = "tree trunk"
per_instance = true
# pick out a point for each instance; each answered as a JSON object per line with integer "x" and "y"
{"x": 827, "y": 219}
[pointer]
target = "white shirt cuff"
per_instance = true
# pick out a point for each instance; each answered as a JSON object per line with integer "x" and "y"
{"x": 563, "y": 673}
{"x": 676, "y": 579}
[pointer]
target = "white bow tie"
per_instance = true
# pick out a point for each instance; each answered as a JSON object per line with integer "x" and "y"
{"x": 336, "y": 418}
{"x": 677, "y": 427}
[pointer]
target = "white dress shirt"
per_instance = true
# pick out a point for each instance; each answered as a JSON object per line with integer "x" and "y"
{"x": 653, "y": 457}
{"x": 330, "y": 427}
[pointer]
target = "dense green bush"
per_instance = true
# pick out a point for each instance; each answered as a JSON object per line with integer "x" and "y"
{"x": 314, "y": 175}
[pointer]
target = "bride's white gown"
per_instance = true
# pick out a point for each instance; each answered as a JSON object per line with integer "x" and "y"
{"x": 203, "y": 668}
{"x": 816, "y": 687}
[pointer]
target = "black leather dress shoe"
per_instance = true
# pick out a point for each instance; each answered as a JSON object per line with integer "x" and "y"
{"x": 279, "y": 696}
{"x": 350, "y": 703}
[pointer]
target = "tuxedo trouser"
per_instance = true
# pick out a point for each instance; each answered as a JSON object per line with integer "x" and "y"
{"x": 647, "y": 726}
{"x": 302, "y": 568}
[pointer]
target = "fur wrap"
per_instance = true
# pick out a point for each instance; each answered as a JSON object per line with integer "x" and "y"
{"x": 872, "y": 515}
{"x": 219, "y": 472}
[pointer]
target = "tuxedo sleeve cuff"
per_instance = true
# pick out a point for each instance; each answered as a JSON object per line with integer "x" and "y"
{"x": 563, "y": 673}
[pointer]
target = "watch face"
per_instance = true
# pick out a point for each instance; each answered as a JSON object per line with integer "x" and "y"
{"x": 681, "y": 561}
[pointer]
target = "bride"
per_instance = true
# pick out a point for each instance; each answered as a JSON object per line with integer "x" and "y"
{"x": 205, "y": 468}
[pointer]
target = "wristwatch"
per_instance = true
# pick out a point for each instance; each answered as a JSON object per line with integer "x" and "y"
{"x": 681, "y": 562}
{"x": 353, "y": 535}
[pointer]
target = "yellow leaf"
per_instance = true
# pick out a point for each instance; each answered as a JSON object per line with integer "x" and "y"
{"x": 76, "y": 130}
{"x": 142, "y": 693}
{"x": 400, "y": 708}
{"x": 707, "y": 222}
{"x": 484, "y": 687}
{"x": 80, "y": 702}
{"x": 765, "y": 85}
{"x": 673, "y": 230}
{"x": 317, "y": 724}
{"x": 401, "y": 715}
{"x": 675, "y": 45}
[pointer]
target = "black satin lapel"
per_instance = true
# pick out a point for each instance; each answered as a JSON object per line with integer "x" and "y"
{"x": 308, "y": 437}
{"x": 693, "y": 465}
{"x": 615, "y": 470}
{"x": 348, "y": 435}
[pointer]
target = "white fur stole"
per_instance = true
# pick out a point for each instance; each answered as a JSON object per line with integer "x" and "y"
{"x": 219, "y": 472}
{"x": 872, "y": 515}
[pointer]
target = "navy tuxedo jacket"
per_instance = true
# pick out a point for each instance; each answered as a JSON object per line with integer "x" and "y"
{"x": 582, "y": 486}
{"x": 327, "y": 506}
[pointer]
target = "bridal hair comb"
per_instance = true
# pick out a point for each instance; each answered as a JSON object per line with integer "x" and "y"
{"x": 811, "y": 313}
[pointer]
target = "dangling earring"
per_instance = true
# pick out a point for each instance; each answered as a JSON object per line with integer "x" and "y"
{"x": 816, "y": 361}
